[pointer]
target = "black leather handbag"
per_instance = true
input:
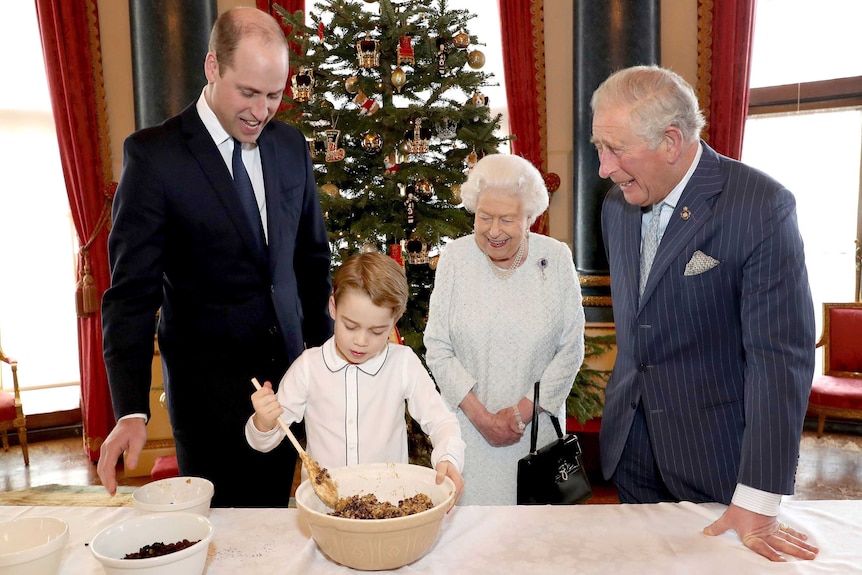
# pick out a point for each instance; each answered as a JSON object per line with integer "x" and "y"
{"x": 554, "y": 474}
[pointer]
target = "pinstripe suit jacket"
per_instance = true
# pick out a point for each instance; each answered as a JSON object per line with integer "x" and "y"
{"x": 722, "y": 360}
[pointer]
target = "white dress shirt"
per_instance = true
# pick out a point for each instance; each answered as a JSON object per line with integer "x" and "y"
{"x": 355, "y": 413}
{"x": 250, "y": 156}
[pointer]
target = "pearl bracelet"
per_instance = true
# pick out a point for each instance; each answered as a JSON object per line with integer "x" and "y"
{"x": 518, "y": 419}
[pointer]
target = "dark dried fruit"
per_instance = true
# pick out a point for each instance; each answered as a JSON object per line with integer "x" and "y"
{"x": 368, "y": 507}
{"x": 158, "y": 549}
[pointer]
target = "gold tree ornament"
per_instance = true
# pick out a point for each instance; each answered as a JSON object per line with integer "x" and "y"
{"x": 399, "y": 78}
{"x": 333, "y": 152}
{"x": 461, "y": 40}
{"x": 417, "y": 251}
{"x": 368, "y": 52}
{"x": 456, "y": 193}
{"x": 416, "y": 140}
{"x": 476, "y": 59}
{"x": 330, "y": 190}
{"x": 302, "y": 84}
{"x": 372, "y": 143}
{"x": 424, "y": 189}
{"x": 351, "y": 85}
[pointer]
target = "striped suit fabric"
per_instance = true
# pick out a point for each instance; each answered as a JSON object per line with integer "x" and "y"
{"x": 721, "y": 361}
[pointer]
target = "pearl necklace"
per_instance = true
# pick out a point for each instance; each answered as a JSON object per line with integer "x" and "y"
{"x": 507, "y": 273}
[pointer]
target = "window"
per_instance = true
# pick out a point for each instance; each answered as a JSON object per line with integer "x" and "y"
{"x": 37, "y": 239}
{"x": 805, "y": 129}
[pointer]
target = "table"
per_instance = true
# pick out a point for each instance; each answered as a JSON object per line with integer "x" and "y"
{"x": 661, "y": 539}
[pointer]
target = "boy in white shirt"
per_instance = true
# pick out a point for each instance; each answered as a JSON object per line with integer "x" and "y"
{"x": 351, "y": 390}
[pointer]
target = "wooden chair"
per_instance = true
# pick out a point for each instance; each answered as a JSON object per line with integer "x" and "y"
{"x": 838, "y": 392}
{"x": 11, "y": 411}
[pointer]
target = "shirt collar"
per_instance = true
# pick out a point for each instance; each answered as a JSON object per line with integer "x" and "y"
{"x": 673, "y": 197}
{"x": 334, "y": 362}
{"x": 211, "y": 123}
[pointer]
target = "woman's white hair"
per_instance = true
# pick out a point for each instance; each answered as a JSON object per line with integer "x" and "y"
{"x": 510, "y": 174}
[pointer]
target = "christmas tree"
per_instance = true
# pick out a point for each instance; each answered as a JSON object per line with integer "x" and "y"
{"x": 389, "y": 96}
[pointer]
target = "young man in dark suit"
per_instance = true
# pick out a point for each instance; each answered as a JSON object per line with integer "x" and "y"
{"x": 242, "y": 288}
{"x": 713, "y": 313}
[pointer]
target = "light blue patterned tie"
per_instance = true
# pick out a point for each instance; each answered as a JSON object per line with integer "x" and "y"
{"x": 649, "y": 245}
{"x": 247, "y": 197}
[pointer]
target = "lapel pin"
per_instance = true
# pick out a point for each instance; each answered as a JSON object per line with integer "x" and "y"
{"x": 685, "y": 214}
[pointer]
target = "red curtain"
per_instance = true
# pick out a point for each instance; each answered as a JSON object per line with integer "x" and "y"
{"x": 289, "y": 6}
{"x": 70, "y": 42}
{"x": 523, "y": 37}
{"x": 724, "y": 32}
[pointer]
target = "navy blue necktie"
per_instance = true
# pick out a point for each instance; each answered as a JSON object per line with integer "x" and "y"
{"x": 247, "y": 197}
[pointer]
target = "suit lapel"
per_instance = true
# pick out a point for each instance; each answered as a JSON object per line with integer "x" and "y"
{"x": 705, "y": 182}
{"x": 212, "y": 165}
{"x": 269, "y": 164}
{"x": 631, "y": 265}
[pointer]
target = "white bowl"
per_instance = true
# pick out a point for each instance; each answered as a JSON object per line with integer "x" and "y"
{"x": 112, "y": 543}
{"x": 375, "y": 544}
{"x": 189, "y": 494}
{"x": 32, "y": 545}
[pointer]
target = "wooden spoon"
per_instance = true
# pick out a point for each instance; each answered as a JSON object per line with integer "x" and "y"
{"x": 322, "y": 483}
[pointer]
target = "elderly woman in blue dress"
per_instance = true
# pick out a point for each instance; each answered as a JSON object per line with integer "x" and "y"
{"x": 505, "y": 312}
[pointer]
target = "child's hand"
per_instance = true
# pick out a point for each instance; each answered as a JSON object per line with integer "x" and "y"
{"x": 444, "y": 469}
{"x": 266, "y": 408}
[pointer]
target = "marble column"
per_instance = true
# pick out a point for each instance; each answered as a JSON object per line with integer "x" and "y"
{"x": 169, "y": 44}
{"x": 608, "y": 35}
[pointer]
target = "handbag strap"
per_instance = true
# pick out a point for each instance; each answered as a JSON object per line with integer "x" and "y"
{"x": 534, "y": 430}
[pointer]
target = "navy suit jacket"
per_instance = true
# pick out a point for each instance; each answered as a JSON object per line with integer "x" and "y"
{"x": 722, "y": 361}
{"x": 180, "y": 243}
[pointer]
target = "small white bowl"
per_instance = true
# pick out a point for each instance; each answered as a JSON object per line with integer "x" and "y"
{"x": 376, "y": 544}
{"x": 32, "y": 545}
{"x": 189, "y": 494}
{"x": 114, "y": 542}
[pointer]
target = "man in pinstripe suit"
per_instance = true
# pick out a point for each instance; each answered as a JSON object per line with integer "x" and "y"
{"x": 716, "y": 344}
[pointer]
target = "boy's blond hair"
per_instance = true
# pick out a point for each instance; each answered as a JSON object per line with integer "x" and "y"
{"x": 376, "y": 275}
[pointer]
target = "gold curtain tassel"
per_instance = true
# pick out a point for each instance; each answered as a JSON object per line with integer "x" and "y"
{"x": 79, "y": 299}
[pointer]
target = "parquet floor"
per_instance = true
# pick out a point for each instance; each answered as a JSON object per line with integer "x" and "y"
{"x": 829, "y": 467}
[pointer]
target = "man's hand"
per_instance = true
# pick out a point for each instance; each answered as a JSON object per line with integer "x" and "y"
{"x": 763, "y": 534}
{"x": 129, "y": 435}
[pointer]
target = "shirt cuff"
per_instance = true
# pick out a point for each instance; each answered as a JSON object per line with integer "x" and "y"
{"x": 136, "y": 415}
{"x": 755, "y": 500}
{"x": 447, "y": 457}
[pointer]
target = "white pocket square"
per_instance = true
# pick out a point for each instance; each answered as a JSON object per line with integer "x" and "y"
{"x": 699, "y": 263}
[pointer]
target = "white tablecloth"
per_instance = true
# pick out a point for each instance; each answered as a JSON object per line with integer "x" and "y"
{"x": 613, "y": 539}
